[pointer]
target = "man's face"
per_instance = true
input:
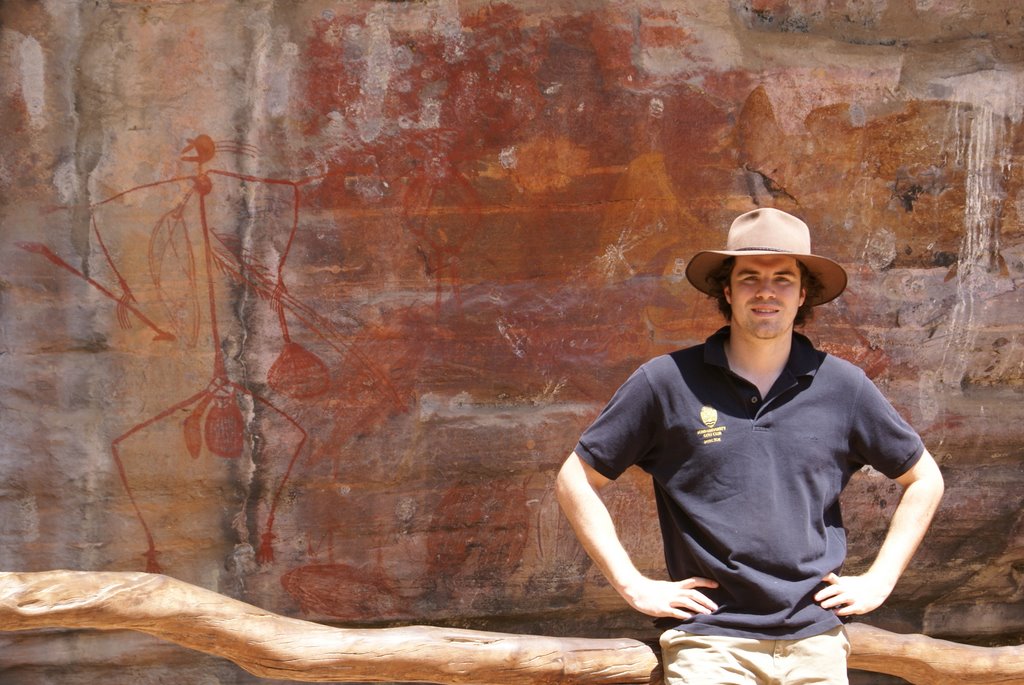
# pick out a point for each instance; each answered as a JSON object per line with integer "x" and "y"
{"x": 765, "y": 293}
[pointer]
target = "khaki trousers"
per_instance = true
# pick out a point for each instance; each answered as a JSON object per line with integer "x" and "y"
{"x": 716, "y": 660}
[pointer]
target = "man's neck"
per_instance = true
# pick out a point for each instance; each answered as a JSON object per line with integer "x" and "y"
{"x": 756, "y": 360}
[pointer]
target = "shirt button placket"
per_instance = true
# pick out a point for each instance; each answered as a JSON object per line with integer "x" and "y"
{"x": 755, "y": 407}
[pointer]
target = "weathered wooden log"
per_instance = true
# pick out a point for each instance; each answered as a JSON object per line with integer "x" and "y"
{"x": 273, "y": 646}
{"x": 924, "y": 660}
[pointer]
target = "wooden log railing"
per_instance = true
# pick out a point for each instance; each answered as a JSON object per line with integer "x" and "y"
{"x": 273, "y": 646}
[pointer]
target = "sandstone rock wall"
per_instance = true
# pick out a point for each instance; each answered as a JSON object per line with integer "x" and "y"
{"x": 305, "y": 302}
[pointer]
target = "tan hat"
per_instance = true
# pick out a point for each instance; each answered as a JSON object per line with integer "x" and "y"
{"x": 769, "y": 231}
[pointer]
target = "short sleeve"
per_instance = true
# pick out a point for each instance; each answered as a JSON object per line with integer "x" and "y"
{"x": 625, "y": 431}
{"x": 879, "y": 436}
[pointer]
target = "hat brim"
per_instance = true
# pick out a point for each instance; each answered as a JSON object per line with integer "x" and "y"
{"x": 829, "y": 273}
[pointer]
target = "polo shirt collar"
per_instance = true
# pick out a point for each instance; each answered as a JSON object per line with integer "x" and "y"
{"x": 803, "y": 358}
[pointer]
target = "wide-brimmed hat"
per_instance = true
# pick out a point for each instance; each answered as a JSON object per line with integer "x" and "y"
{"x": 769, "y": 231}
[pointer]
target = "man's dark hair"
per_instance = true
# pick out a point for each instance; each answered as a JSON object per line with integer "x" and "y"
{"x": 718, "y": 281}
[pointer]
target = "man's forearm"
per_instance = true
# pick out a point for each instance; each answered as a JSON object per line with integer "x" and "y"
{"x": 923, "y": 490}
{"x": 577, "y": 491}
{"x": 851, "y": 595}
{"x": 593, "y": 525}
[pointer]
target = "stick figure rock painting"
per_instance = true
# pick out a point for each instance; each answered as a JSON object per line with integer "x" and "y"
{"x": 174, "y": 285}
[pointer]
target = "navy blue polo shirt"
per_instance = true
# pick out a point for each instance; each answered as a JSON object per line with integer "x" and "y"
{"x": 747, "y": 487}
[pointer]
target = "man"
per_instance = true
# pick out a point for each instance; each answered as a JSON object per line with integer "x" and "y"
{"x": 750, "y": 438}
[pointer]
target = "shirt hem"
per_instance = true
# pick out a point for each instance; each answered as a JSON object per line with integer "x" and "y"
{"x": 782, "y": 633}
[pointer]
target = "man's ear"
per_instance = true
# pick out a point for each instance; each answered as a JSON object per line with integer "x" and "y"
{"x": 727, "y": 292}
{"x": 803, "y": 296}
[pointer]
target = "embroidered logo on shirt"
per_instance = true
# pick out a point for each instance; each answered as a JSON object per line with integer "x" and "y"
{"x": 709, "y": 415}
{"x": 713, "y": 432}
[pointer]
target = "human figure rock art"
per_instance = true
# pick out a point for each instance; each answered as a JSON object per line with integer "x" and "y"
{"x": 184, "y": 247}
